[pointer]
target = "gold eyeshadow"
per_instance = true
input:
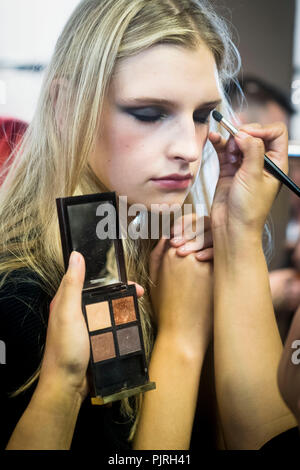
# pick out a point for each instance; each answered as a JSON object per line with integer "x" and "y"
{"x": 98, "y": 316}
{"x": 124, "y": 311}
{"x": 118, "y": 366}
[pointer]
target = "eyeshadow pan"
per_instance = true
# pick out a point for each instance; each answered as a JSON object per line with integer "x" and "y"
{"x": 103, "y": 346}
{"x": 128, "y": 340}
{"x": 98, "y": 316}
{"x": 124, "y": 310}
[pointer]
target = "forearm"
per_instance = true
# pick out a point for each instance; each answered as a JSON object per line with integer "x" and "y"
{"x": 247, "y": 346}
{"x": 48, "y": 422}
{"x": 168, "y": 412}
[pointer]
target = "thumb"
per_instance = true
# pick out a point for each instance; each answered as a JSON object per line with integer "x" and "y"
{"x": 72, "y": 282}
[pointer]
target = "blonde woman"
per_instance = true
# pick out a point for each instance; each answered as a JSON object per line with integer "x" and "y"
{"x": 124, "y": 107}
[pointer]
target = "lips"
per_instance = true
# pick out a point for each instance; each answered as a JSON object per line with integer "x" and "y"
{"x": 175, "y": 177}
{"x": 174, "y": 181}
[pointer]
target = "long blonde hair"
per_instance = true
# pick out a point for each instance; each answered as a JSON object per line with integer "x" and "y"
{"x": 52, "y": 160}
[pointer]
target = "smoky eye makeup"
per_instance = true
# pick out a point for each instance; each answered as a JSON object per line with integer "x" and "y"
{"x": 202, "y": 117}
{"x": 145, "y": 113}
{"x": 156, "y": 113}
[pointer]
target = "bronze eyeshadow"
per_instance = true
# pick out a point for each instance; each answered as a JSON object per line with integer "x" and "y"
{"x": 118, "y": 366}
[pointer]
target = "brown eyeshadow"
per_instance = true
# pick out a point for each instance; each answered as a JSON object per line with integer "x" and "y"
{"x": 129, "y": 340}
{"x": 98, "y": 316}
{"x": 124, "y": 311}
{"x": 103, "y": 346}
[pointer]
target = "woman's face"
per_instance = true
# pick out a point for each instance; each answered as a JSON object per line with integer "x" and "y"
{"x": 155, "y": 124}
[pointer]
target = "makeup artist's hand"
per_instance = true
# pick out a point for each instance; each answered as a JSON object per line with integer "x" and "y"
{"x": 245, "y": 191}
{"x": 182, "y": 295}
{"x": 49, "y": 420}
{"x": 192, "y": 234}
{"x": 67, "y": 349}
{"x": 289, "y": 368}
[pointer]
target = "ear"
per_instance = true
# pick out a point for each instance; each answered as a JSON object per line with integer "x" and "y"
{"x": 58, "y": 92}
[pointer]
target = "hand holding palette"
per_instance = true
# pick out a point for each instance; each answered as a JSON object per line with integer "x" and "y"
{"x": 118, "y": 367}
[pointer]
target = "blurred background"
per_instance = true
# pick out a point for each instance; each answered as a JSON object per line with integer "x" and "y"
{"x": 267, "y": 34}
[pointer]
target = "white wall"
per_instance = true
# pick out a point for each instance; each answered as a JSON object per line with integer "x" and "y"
{"x": 28, "y": 33}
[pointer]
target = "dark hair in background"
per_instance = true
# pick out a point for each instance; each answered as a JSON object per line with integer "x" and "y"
{"x": 256, "y": 90}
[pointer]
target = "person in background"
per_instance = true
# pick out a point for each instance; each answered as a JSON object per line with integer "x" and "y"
{"x": 255, "y": 100}
{"x": 285, "y": 281}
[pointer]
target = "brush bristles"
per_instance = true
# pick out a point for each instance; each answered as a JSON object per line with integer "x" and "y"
{"x": 217, "y": 116}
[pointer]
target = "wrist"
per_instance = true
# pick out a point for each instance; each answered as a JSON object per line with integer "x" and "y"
{"x": 57, "y": 396}
{"x": 177, "y": 343}
{"x": 49, "y": 420}
{"x": 231, "y": 244}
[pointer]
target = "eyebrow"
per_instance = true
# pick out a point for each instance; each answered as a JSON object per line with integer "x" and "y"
{"x": 161, "y": 101}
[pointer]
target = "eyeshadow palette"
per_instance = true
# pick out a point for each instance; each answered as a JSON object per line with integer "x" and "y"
{"x": 118, "y": 366}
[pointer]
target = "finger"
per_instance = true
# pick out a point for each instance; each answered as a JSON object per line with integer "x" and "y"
{"x": 267, "y": 132}
{"x": 139, "y": 289}
{"x": 205, "y": 255}
{"x": 253, "y": 150}
{"x": 275, "y": 137}
{"x": 251, "y": 125}
{"x": 199, "y": 243}
{"x": 228, "y": 152}
{"x": 188, "y": 228}
{"x": 218, "y": 141}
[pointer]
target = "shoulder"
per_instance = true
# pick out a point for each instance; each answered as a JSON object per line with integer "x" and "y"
{"x": 24, "y": 307}
{"x": 22, "y": 292}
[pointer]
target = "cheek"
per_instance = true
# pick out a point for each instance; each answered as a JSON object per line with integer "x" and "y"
{"x": 124, "y": 155}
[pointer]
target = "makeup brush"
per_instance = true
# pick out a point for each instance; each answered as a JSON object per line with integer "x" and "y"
{"x": 268, "y": 164}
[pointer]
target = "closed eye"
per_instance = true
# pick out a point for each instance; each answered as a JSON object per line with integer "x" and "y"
{"x": 152, "y": 114}
{"x": 147, "y": 114}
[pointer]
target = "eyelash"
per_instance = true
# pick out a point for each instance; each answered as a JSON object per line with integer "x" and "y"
{"x": 161, "y": 116}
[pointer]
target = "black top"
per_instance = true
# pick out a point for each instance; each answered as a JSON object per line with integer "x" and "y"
{"x": 24, "y": 308}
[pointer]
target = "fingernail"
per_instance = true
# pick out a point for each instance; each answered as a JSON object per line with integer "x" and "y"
{"x": 75, "y": 259}
{"x": 184, "y": 248}
{"x": 177, "y": 240}
{"x": 242, "y": 135}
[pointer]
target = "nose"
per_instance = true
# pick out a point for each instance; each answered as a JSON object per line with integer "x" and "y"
{"x": 184, "y": 143}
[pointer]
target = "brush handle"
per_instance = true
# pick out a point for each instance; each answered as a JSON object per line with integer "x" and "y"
{"x": 282, "y": 177}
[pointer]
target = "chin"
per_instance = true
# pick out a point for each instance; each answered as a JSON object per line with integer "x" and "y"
{"x": 155, "y": 202}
